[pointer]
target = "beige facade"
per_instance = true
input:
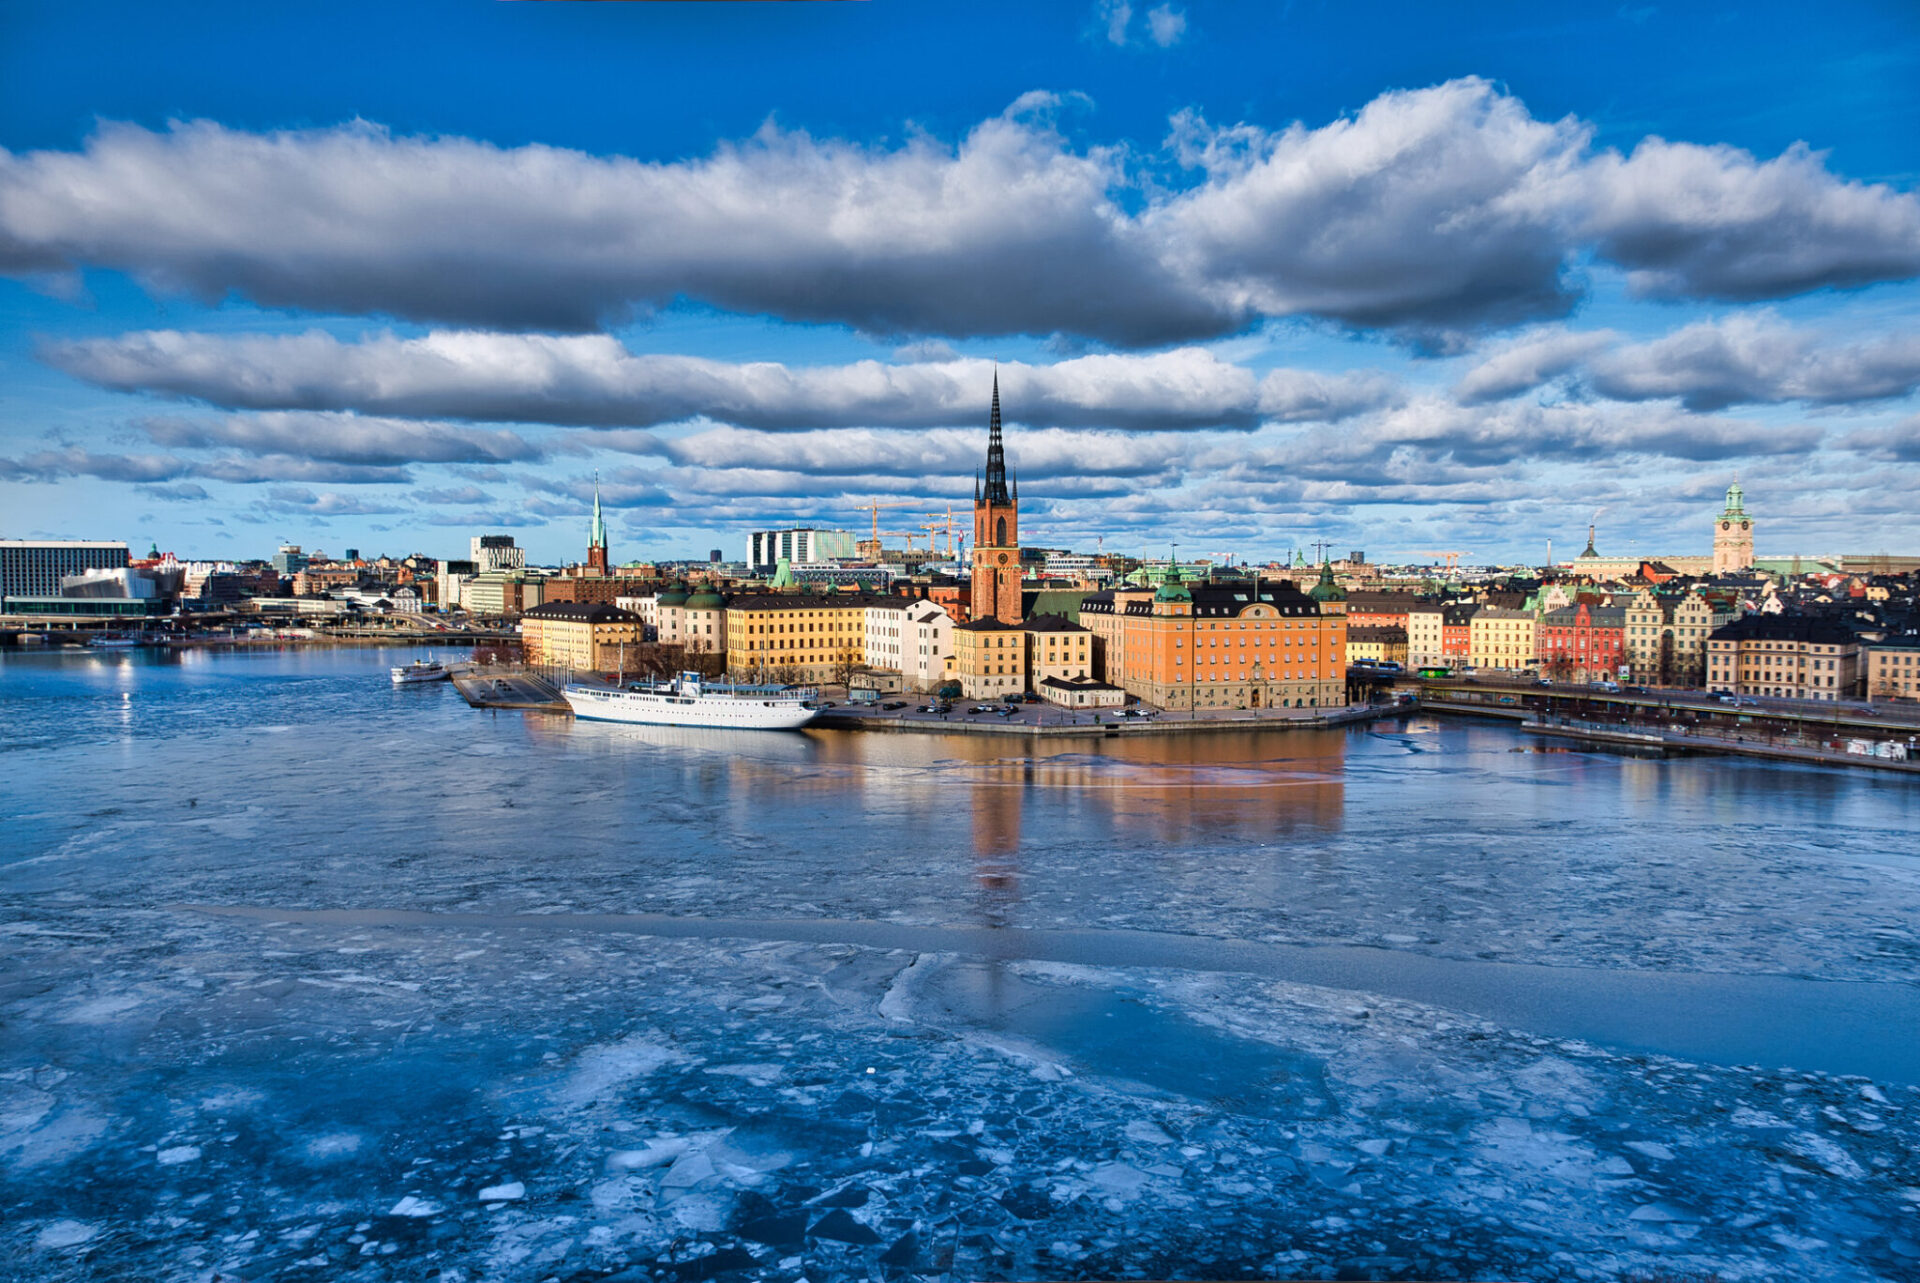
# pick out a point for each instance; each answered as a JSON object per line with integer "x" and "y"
{"x": 802, "y": 638}
{"x": 1058, "y": 648}
{"x": 1892, "y": 670}
{"x": 1666, "y": 639}
{"x": 1376, "y": 644}
{"x": 587, "y": 638}
{"x": 1503, "y": 640}
{"x": 1424, "y": 636}
{"x": 1784, "y": 657}
{"x": 989, "y": 659}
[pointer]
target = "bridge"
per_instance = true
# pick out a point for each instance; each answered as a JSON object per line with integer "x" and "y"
{"x": 1853, "y": 733}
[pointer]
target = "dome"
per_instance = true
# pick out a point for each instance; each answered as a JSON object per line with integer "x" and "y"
{"x": 1326, "y": 589}
{"x": 706, "y": 599}
{"x": 675, "y": 595}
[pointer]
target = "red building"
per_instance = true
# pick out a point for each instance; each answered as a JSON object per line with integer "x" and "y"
{"x": 1584, "y": 643}
{"x": 1456, "y": 632}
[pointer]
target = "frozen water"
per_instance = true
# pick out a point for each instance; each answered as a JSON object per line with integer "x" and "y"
{"x": 835, "y": 1007}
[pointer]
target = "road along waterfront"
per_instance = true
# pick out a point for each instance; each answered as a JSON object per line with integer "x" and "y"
{"x": 305, "y": 971}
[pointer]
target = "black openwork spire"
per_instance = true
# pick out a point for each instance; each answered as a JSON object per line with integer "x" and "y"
{"x": 996, "y": 489}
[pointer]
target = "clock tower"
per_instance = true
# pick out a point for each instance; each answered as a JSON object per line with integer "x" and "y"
{"x": 1733, "y": 535}
{"x": 996, "y": 531}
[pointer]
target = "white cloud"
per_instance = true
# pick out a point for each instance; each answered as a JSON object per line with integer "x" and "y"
{"x": 591, "y": 380}
{"x": 1432, "y": 213}
{"x": 344, "y": 438}
{"x": 1165, "y": 25}
{"x": 1758, "y": 359}
{"x": 1528, "y": 361}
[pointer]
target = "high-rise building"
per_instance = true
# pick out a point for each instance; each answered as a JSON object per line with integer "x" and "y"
{"x": 34, "y": 567}
{"x": 496, "y": 552}
{"x": 996, "y": 530}
{"x": 289, "y": 560}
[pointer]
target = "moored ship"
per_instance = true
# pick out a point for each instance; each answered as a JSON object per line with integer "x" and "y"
{"x": 689, "y": 700}
{"x": 421, "y": 670}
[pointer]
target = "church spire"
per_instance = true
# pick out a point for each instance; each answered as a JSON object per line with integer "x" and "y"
{"x": 996, "y": 487}
{"x": 598, "y": 536}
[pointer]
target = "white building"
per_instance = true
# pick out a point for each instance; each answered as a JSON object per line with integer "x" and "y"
{"x": 912, "y": 638}
{"x": 767, "y": 548}
{"x": 496, "y": 552}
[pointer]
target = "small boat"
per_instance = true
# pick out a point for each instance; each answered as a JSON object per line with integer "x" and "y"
{"x": 421, "y": 670}
{"x": 114, "y": 643}
{"x": 690, "y": 700}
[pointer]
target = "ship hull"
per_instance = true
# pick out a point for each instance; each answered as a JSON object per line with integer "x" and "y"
{"x": 408, "y": 676}
{"x": 718, "y": 712}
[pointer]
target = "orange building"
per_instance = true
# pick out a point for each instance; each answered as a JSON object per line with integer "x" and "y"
{"x": 1258, "y": 644}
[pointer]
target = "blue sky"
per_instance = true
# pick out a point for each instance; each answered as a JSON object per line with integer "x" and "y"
{"x": 1405, "y": 277}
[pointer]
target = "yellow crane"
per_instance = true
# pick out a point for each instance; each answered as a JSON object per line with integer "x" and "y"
{"x": 1451, "y": 558}
{"x": 943, "y": 523}
{"x": 873, "y": 545}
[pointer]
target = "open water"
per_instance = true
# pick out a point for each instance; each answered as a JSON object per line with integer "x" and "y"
{"x": 303, "y": 974}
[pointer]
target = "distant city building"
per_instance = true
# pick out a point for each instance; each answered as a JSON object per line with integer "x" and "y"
{"x": 1892, "y": 668}
{"x": 1784, "y": 657}
{"x": 714, "y": 555}
{"x": 1501, "y": 639}
{"x": 495, "y": 552}
{"x": 289, "y": 560}
{"x": 451, "y": 583}
{"x": 35, "y": 567}
{"x": 1376, "y": 643}
{"x": 503, "y": 594}
{"x": 767, "y": 548}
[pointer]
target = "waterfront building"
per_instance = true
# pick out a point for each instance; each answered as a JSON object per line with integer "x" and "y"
{"x": 1376, "y": 643}
{"x": 989, "y": 659}
{"x": 1079, "y": 692}
{"x": 1583, "y": 642}
{"x": 1503, "y": 639}
{"x": 1666, "y": 636}
{"x": 1057, "y": 648}
{"x": 996, "y": 531}
{"x": 578, "y": 635}
{"x": 35, "y": 567}
{"x": 1733, "y": 535}
{"x": 1784, "y": 657}
{"x": 1456, "y": 631}
{"x": 1892, "y": 668}
{"x": 766, "y": 549}
{"x": 1253, "y": 644}
{"x": 451, "y": 581}
{"x": 806, "y": 638}
{"x": 912, "y": 638}
{"x": 490, "y": 553}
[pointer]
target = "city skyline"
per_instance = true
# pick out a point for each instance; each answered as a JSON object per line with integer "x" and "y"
{"x": 1249, "y": 281}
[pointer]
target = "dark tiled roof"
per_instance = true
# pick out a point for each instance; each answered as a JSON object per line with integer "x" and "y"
{"x": 1052, "y": 624}
{"x": 1795, "y": 628}
{"x": 580, "y": 612}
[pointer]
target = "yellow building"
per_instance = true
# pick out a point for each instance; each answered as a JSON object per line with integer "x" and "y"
{"x": 589, "y": 637}
{"x": 1057, "y": 647}
{"x": 804, "y": 638}
{"x": 1503, "y": 640}
{"x": 1376, "y": 644}
{"x": 1667, "y": 637}
{"x": 989, "y": 659}
{"x": 1892, "y": 669}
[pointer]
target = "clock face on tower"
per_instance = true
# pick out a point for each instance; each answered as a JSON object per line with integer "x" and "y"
{"x": 1003, "y": 558}
{"x": 1726, "y": 525}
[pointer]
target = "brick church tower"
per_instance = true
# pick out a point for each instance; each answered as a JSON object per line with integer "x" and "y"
{"x": 996, "y": 531}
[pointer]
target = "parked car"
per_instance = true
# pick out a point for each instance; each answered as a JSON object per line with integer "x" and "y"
{"x": 894, "y": 703}
{"x": 977, "y": 708}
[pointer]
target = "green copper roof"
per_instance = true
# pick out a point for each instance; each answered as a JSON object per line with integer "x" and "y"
{"x": 1171, "y": 588}
{"x": 706, "y": 599}
{"x": 1326, "y": 589}
{"x": 782, "y": 574}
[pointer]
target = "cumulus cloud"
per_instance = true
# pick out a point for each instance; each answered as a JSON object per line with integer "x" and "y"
{"x": 344, "y": 438}
{"x": 330, "y": 504}
{"x": 1165, "y": 25}
{"x": 76, "y": 461}
{"x": 594, "y": 381}
{"x": 1527, "y": 362}
{"x": 1895, "y": 443}
{"x": 855, "y": 453}
{"x": 1757, "y": 359}
{"x": 1431, "y": 212}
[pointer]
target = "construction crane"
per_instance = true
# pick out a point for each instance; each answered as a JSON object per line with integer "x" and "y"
{"x": 873, "y": 545}
{"x": 943, "y": 523}
{"x": 1451, "y": 558}
{"x": 1320, "y": 547}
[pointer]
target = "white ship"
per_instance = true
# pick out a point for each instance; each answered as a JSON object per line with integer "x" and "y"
{"x": 421, "y": 670}
{"x": 114, "y": 643}
{"x": 688, "y": 700}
